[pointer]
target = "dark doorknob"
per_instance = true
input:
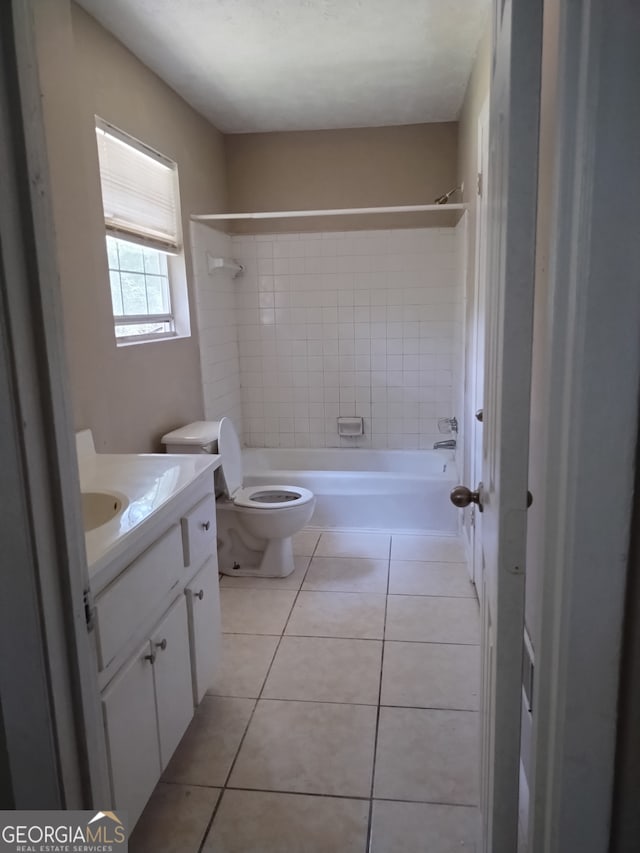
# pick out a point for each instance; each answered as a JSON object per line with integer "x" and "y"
{"x": 480, "y": 415}
{"x": 461, "y": 497}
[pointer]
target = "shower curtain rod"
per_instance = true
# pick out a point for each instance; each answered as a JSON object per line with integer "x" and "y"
{"x": 341, "y": 211}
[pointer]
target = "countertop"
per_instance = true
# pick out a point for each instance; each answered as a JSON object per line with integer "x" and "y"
{"x": 148, "y": 481}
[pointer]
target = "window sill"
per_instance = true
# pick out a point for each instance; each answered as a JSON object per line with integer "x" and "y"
{"x": 156, "y": 339}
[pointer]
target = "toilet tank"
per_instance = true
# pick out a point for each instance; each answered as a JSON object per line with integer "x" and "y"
{"x": 198, "y": 437}
{"x": 191, "y": 448}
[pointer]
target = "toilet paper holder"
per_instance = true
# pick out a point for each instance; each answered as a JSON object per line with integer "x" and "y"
{"x": 350, "y": 427}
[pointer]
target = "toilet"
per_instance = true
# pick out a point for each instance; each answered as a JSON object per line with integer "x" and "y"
{"x": 255, "y": 523}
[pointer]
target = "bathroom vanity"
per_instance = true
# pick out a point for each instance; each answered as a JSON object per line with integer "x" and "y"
{"x": 155, "y": 605}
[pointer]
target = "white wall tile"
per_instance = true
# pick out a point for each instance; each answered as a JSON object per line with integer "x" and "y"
{"x": 218, "y": 316}
{"x": 359, "y": 323}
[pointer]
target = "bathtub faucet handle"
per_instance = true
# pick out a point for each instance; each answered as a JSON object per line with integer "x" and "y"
{"x": 446, "y": 425}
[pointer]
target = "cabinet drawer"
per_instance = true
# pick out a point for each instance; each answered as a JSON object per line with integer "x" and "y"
{"x": 124, "y": 605}
{"x": 199, "y": 532}
{"x": 205, "y": 635}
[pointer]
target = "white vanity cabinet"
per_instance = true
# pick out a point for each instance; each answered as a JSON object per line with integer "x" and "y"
{"x": 147, "y": 709}
{"x": 158, "y": 640}
{"x": 203, "y": 601}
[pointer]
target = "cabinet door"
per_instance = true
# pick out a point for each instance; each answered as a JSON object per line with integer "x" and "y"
{"x": 172, "y": 671}
{"x": 129, "y": 709}
{"x": 203, "y": 598}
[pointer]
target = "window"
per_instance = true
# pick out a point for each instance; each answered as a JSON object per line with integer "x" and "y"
{"x": 140, "y": 293}
{"x": 141, "y": 212}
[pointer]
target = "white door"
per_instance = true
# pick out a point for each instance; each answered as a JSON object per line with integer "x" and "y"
{"x": 511, "y": 223}
{"x": 172, "y": 673}
{"x": 205, "y": 634}
{"x": 477, "y": 388}
{"x": 130, "y": 723}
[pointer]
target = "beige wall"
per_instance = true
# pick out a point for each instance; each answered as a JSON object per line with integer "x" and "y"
{"x": 128, "y": 395}
{"x": 475, "y": 98}
{"x": 364, "y": 167}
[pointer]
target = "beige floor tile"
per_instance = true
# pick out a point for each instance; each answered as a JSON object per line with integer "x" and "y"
{"x": 245, "y": 662}
{"x": 348, "y": 544}
{"x": 255, "y": 611}
{"x": 427, "y": 756}
{"x": 321, "y": 670}
{"x": 442, "y": 549}
{"x": 304, "y": 543}
{"x": 292, "y": 581}
{"x": 338, "y": 614}
{"x": 253, "y": 822}
{"x": 309, "y": 747}
{"x": 412, "y": 577}
{"x": 347, "y": 574}
{"x": 417, "y": 827}
{"x": 427, "y": 619}
{"x": 174, "y": 820}
{"x": 431, "y": 675}
{"x": 206, "y": 752}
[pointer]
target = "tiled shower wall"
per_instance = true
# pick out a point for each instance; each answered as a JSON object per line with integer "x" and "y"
{"x": 216, "y": 296}
{"x": 365, "y": 323}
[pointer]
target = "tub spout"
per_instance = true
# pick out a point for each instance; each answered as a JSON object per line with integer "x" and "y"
{"x": 448, "y": 444}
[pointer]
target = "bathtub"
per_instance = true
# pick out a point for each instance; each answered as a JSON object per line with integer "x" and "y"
{"x": 368, "y": 489}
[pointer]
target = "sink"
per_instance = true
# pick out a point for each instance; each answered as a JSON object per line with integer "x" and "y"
{"x": 100, "y": 507}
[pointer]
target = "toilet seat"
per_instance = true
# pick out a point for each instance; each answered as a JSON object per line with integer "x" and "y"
{"x": 266, "y": 498}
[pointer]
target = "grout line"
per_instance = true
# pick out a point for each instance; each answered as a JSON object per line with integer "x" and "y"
{"x": 429, "y": 802}
{"x": 246, "y": 729}
{"x": 253, "y": 711}
{"x": 369, "y": 837}
{"x": 318, "y": 795}
{"x": 430, "y": 708}
{"x": 364, "y": 639}
{"x": 354, "y": 704}
{"x": 301, "y": 793}
{"x": 207, "y": 828}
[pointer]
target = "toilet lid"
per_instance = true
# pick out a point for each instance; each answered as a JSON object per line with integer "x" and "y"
{"x": 231, "y": 453}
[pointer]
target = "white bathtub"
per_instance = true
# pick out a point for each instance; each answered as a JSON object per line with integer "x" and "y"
{"x": 369, "y": 489}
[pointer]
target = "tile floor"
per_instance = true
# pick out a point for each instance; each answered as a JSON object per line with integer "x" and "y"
{"x": 344, "y": 717}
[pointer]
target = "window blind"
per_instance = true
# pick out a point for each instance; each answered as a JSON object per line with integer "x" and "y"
{"x": 139, "y": 191}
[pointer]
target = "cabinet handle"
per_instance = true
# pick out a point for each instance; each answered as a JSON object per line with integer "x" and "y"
{"x": 162, "y": 644}
{"x": 200, "y": 594}
{"x": 206, "y": 525}
{"x": 151, "y": 658}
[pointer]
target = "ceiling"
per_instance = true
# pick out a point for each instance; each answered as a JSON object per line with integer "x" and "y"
{"x": 267, "y": 65}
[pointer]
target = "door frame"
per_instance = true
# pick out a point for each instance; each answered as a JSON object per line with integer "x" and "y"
{"x": 50, "y": 719}
{"x": 591, "y": 427}
{"x": 479, "y": 298}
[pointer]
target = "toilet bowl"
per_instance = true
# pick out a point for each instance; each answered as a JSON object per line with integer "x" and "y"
{"x": 255, "y": 523}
